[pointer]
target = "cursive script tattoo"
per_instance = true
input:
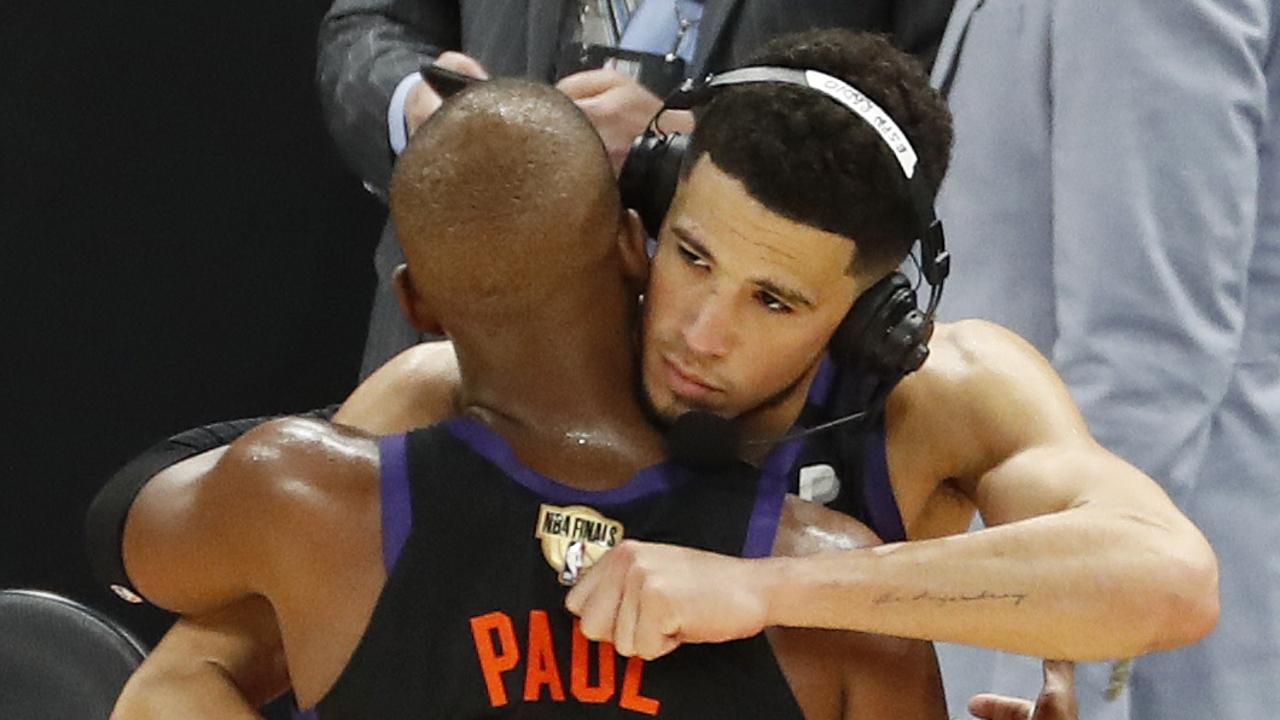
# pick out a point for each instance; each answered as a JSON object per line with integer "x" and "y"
{"x": 889, "y": 598}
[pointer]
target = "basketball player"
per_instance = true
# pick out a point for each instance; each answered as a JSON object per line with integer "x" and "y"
{"x": 426, "y": 573}
{"x": 1087, "y": 557}
{"x": 751, "y": 278}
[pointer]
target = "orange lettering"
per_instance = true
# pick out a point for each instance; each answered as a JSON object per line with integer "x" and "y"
{"x": 540, "y": 665}
{"x": 493, "y": 663}
{"x": 631, "y": 698}
{"x": 580, "y": 673}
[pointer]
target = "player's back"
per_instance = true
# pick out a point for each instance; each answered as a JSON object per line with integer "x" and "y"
{"x": 472, "y": 623}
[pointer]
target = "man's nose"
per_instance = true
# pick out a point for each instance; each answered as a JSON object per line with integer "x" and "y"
{"x": 710, "y": 330}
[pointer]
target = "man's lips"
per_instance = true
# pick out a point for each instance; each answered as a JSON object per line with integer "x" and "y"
{"x": 685, "y": 383}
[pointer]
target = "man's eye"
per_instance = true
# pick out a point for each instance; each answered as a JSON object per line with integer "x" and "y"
{"x": 773, "y": 304}
{"x": 691, "y": 257}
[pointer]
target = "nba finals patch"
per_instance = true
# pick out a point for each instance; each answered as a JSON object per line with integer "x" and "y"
{"x": 574, "y": 538}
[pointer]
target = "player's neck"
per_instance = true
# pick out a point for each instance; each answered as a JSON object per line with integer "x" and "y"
{"x": 563, "y": 396}
{"x": 774, "y": 418}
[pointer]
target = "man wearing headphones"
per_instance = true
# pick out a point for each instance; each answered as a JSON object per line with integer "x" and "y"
{"x": 752, "y": 278}
{"x": 615, "y": 58}
{"x": 423, "y": 574}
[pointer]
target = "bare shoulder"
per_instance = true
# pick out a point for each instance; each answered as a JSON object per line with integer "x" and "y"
{"x": 428, "y": 359}
{"x": 280, "y": 470}
{"x": 972, "y": 351}
{"x": 415, "y": 388}
{"x": 194, "y": 541}
{"x": 303, "y": 455}
{"x": 983, "y": 395}
{"x": 807, "y": 528}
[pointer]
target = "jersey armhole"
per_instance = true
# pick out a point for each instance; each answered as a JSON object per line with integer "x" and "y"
{"x": 397, "y": 508}
{"x": 877, "y": 490}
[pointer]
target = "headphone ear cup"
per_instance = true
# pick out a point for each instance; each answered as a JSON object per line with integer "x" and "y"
{"x": 906, "y": 345}
{"x": 885, "y": 333}
{"x": 650, "y": 174}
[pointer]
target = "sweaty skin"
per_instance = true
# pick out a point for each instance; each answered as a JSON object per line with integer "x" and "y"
{"x": 1104, "y": 567}
{"x": 293, "y": 507}
{"x": 319, "y": 483}
{"x": 1087, "y": 558}
{"x": 826, "y": 669}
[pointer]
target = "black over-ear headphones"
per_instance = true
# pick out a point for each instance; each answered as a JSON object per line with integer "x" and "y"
{"x": 885, "y": 333}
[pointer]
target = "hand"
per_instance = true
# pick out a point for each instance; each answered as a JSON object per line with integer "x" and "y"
{"x": 620, "y": 108}
{"x": 648, "y": 598}
{"x": 423, "y": 100}
{"x": 1057, "y": 699}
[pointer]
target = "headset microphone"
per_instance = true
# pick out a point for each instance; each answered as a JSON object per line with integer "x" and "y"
{"x": 705, "y": 441}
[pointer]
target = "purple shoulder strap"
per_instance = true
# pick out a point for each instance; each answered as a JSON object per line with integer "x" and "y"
{"x": 397, "y": 510}
{"x": 877, "y": 491}
{"x": 775, "y": 478}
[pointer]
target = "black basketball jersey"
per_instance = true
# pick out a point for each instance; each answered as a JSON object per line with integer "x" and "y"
{"x": 846, "y": 468}
{"x": 472, "y": 622}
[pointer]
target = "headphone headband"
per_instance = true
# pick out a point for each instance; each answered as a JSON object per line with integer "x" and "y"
{"x": 695, "y": 92}
{"x": 840, "y": 91}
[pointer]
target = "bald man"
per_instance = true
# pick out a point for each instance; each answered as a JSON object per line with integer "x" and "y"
{"x": 428, "y": 571}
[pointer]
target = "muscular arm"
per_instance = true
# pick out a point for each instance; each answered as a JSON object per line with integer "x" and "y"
{"x": 877, "y": 676}
{"x": 225, "y": 664}
{"x": 1088, "y": 558}
{"x": 290, "y": 507}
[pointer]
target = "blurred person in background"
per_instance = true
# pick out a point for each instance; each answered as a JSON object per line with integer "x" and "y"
{"x": 1115, "y": 177}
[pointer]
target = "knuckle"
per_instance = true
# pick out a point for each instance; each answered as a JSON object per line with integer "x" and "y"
{"x": 625, "y": 551}
{"x": 593, "y": 629}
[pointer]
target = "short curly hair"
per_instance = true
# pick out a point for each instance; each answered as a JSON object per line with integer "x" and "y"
{"x": 813, "y": 161}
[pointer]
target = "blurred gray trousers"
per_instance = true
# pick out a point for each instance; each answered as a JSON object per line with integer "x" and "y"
{"x": 1115, "y": 198}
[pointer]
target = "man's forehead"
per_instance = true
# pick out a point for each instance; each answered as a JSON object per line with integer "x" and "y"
{"x": 715, "y": 210}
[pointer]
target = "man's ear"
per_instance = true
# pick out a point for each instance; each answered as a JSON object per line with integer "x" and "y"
{"x": 412, "y": 303}
{"x": 631, "y": 245}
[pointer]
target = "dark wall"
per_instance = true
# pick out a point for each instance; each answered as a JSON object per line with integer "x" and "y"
{"x": 178, "y": 243}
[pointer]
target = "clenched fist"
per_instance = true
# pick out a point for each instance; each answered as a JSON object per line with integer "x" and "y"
{"x": 649, "y": 598}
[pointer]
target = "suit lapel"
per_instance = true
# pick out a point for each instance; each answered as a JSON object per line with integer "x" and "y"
{"x": 543, "y": 38}
{"x": 944, "y": 65}
{"x": 715, "y": 13}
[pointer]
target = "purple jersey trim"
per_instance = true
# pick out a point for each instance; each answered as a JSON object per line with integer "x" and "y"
{"x": 397, "y": 512}
{"x": 877, "y": 492}
{"x": 823, "y": 382}
{"x": 479, "y": 437}
{"x": 775, "y": 478}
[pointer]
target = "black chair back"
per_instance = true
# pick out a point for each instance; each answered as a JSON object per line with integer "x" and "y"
{"x": 60, "y": 659}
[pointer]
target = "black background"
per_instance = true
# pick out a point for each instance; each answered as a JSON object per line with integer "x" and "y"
{"x": 178, "y": 244}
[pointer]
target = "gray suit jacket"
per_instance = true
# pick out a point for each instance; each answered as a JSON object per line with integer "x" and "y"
{"x": 1114, "y": 198}
{"x": 367, "y": 46}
